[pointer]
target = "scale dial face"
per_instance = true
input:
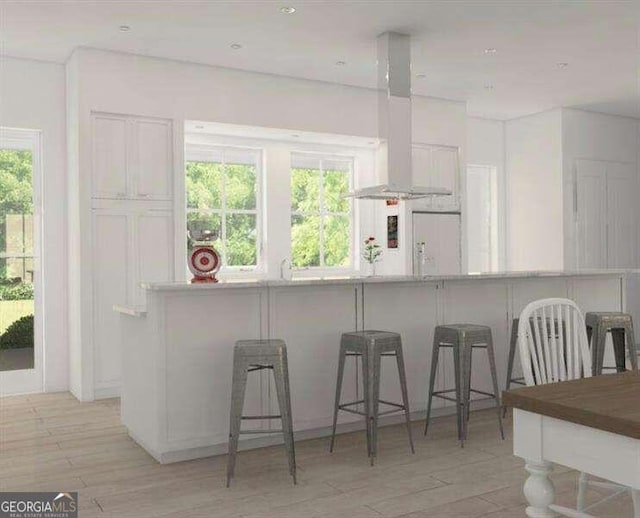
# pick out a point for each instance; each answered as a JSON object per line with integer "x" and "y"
{"x": 204, "y": 261}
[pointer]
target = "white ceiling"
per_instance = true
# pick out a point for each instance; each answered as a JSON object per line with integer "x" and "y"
{"x": 599, "y": 40}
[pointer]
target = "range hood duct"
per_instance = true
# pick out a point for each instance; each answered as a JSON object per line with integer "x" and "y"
{"x": 394, "y": 124}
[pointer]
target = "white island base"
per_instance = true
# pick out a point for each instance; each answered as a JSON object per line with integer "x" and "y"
{"x": 178, "y": 351}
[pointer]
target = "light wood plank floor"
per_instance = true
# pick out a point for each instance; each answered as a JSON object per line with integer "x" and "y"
{"x": 52, "y": 442}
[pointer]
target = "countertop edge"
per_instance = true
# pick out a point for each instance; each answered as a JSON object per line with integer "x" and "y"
{"x": 132, "y": 311}
{"x": 176, "y": 286}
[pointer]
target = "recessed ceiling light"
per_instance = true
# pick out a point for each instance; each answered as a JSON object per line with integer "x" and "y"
{"x": 236, "y": 46}
{"x": 490, "y": 50}
{"x": 124, "y": 28}
{"x": 421, "y": 76}
{"x": 562, "y": 65}
{"x": 288, "y": 10}
{"x": 341, "y": 63}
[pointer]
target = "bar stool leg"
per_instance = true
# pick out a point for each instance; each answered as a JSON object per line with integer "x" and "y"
{"x": 405, "y": 395}
{"x": 435, "y": 353}
{"x": 494, "y": 379}
{"x": 513, "y": 343}
{"x": 374, "y": 365}
{"x": 465, "y": 375}
{"x": 238, "y": 388}
{"x": 618, "y": 336}
{"x": 631, "y": 344}
{"x": 599, "y": 344}
{"x": 457, "y": 364}
{"x": 281, "y": 376}
{"x": 341, "y": 360}
{"x": 366, "y": 395}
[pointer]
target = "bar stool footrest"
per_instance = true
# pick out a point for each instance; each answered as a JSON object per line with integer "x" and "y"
{"x": 250, "y": 432}
{"x": 261, "y": 417}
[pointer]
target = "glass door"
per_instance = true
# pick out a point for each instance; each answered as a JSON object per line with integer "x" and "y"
{"x": 20, "y": 274}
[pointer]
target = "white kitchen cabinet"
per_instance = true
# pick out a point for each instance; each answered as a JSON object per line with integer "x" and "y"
{"x": 132, "y": 157}
{"x": 130, "y": 245}
{"x": 110, "y": 156}
{"x": 606, "y": 214}
{"x": 437, "y": 166}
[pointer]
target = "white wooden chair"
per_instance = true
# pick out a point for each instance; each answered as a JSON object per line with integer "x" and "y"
{"x": 553, "y": 345}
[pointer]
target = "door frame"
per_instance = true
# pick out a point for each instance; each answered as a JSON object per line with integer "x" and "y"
{"x": 30, "y": 380}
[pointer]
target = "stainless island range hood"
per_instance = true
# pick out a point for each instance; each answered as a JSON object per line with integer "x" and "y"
{"x": 394, "y": 124}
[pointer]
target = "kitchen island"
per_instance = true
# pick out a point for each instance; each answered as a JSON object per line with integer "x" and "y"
{"x": 178, "y": 350}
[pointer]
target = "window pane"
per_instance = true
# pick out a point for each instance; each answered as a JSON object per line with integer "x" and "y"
{"x": 203, "y": 221}
{"x": 305, "y": 190}
{"x": 336, "y": 240}
{"x": 204, "y": 185}
{"x": 336, "y": 185}
{"x": 241, "y": 240}
{"x": 240, "y": 186}
{"x": 305, "y": 241}
{"x": 16, "y": 260}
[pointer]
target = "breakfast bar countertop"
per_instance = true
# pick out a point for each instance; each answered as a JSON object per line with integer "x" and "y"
{"x": 357, "y": 279}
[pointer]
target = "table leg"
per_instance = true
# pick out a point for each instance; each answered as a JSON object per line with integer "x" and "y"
{"x": 538, "y": 489}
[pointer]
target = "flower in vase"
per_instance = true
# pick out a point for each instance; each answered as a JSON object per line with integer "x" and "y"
{"x": 372, "y": 250}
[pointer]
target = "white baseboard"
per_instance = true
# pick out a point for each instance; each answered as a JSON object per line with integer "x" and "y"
{"x": 107, "y": 392}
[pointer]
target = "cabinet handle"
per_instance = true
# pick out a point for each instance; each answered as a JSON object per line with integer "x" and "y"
{"x": 121, "y": 195}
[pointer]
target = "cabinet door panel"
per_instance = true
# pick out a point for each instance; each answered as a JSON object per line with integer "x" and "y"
{"x": 111, "y": 281}
{"x": 621, "y": 215}
{"x": 436, "y": 166}
{"x": 154, "y": 257}
{"x": 591, "y": 215}
{"x": 152, "y": 159}
{"x": 109, "y": 156}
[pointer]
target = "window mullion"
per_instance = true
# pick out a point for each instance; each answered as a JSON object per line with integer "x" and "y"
{"x": 321, "y": 208}
{"x": 223, "y": 205}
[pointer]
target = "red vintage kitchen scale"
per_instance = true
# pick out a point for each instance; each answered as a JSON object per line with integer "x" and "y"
{"x": 204, "y": 261}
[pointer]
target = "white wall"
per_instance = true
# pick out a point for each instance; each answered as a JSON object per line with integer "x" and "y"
{"x": 124, "y": 83}
{"x": 32, "y": 95}
{"x": 486, "y": 146}
{"x": 534, "y": 187}
{"x": 594, "y": 136}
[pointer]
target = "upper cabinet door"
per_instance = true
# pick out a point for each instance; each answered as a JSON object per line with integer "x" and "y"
{"x": 621, "y": 215}
{"x": 436, "y": 166}
{"x": 591, "y": 213}
{"x": 110, "y": 164}
{"x": 152, "y": 159}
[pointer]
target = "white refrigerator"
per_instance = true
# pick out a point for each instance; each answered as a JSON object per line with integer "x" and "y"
{"x": 436, "y": 243}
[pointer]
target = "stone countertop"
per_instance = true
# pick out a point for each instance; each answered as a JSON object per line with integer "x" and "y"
{"x": 329, "y": 280}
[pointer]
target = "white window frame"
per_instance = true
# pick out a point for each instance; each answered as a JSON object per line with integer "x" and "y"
{"x": 322, "y": 157}
{"x": 203, "y": 153}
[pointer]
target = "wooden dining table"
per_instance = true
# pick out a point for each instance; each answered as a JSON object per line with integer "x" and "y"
{"x": 591, "y": 425}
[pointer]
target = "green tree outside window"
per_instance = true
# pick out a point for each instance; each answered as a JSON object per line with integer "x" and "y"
{"x": 320, "y": 215}
{"x": 222, "y": 196}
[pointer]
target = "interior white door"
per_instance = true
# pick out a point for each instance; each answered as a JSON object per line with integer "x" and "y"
{"x": 621, "y": 215}
{"x": 440, "y": 233}
{"x": 591, "y": 213}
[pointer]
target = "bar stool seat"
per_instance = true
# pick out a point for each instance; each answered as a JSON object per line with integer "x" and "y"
{"x": 250, "y": 356}
{"x": 462, "y": 339}
{"x": 371, "y": 346}
{"x": 620, "y": 325}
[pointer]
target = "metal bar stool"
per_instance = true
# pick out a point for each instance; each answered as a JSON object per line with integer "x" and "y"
{"x": 621, "y": 326}
{"x": 371, "y": 346}
{"x": 250, "y": 356}
{"x": 462, "y": 339}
